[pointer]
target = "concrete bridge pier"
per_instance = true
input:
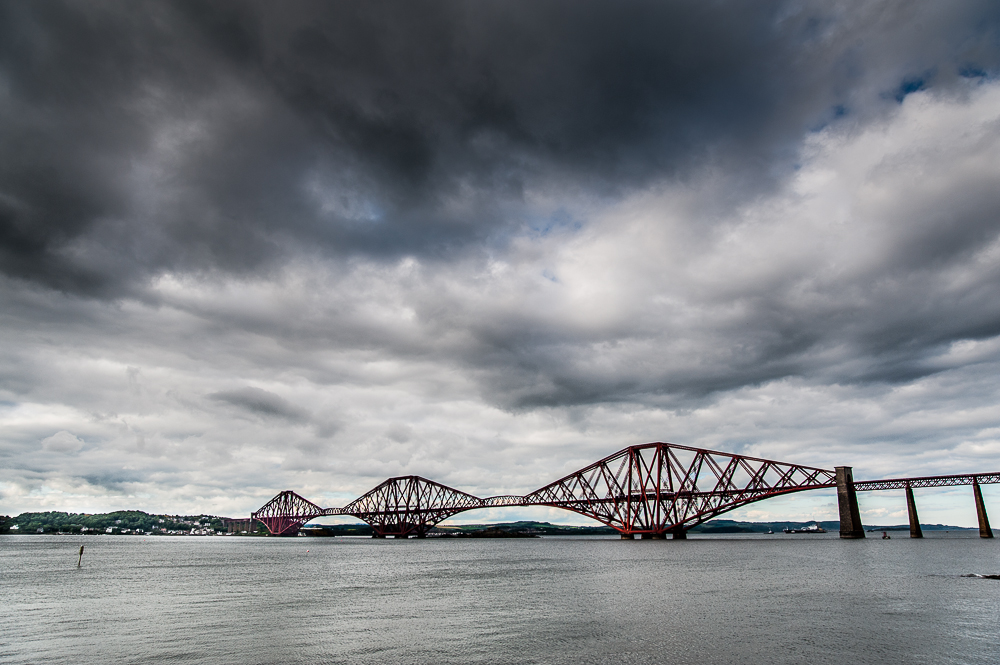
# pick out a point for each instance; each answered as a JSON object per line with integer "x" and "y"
{"x": 984, "y": 521}
{"x": 847, "y": 501}
{"x": 679, "y": 534}
{"x": 628, "y": 536}
{"x": 911, "y": 511}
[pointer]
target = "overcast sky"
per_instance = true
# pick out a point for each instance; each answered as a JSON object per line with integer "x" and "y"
{"x": 248, "y": 247}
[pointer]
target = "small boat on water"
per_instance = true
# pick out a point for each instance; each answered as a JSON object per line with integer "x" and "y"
{"x": 812, "y": 528}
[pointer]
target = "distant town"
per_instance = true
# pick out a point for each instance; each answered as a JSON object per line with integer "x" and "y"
{"x": 126, "y": 522}
{"x": 139, "y": 523}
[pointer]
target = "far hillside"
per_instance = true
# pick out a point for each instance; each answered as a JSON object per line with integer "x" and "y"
{"x": 119, "y": 522}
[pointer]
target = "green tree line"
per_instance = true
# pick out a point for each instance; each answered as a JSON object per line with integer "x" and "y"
{"x": 119, "y": 521}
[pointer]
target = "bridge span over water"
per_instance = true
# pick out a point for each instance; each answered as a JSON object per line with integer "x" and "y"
{"x": 648, "y": 490}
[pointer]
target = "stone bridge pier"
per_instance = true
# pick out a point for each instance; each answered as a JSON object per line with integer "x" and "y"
{"x": 850, "y": 516}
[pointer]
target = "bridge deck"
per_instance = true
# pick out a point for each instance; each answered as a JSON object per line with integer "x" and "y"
{"x": 927, "y": 481}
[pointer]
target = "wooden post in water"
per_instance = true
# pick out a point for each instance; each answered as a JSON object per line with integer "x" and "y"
{"x": 911, "y": 511}
{"x": 984, "y": 522}
{"x": 79, "y": 561}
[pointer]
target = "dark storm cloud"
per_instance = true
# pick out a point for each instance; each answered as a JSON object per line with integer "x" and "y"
{"x": 114, "y": 481}
{"x": 148, "y": 137}
{"x": 485, "y": 241}
{"x": 262, "y": 403}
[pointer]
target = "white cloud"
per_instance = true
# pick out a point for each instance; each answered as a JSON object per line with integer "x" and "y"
{"x": 62, "y": 442}
{"x": 846, "y": 313}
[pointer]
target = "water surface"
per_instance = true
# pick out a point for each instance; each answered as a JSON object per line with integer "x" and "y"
{"x": 741, "y": 600}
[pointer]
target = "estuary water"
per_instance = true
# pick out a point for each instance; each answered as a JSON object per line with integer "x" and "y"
{"x": 741, "y": 600}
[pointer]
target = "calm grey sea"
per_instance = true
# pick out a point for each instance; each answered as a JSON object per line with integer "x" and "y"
{"x": 753, "y": 599}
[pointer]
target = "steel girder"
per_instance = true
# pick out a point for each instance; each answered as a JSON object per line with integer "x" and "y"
{"x": 656, "y": 488}
{"x": 653, "y": 488}
{"x": 927, "y": 481}
{"x": 408, "y": 505}
{"x": 285, "y": 514}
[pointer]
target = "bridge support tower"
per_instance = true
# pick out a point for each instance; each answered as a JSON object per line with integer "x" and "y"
{"x": 984, "y": 521}
{"x": 911, "y": 511}
{"x": 847, "y": 501}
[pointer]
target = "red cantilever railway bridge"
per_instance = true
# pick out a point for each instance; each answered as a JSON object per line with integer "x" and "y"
{"x": 648, "y": 490}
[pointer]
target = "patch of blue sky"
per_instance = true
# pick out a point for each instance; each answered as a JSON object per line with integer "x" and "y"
{"x": 912, "y": 84}
{"x": 559, "y": 220}
{"x": 360, "y": 211}
{"x": 972, "y": 71}
{"x": 343, "y": 202}
{"x": 831, "y": 115}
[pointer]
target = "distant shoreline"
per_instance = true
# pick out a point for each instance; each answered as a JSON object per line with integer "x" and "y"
{"x": 139, "y": 523}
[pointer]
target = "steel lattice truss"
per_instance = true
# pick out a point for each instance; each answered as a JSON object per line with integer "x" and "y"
{"x": 286, "y": 513}
{"x": 408, "y": 505}
{"x": 927, "y": 481}
{"x": 650, "y": 489}
{"x": 661, "y": 487}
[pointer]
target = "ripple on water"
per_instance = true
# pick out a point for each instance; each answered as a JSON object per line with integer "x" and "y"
{"x": 551, "y": 600}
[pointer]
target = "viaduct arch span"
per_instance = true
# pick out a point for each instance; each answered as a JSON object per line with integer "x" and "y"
{"x": 647, "y": 491}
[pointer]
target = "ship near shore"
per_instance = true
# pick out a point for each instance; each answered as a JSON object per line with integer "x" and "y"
{"x": 812, "y": 528}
